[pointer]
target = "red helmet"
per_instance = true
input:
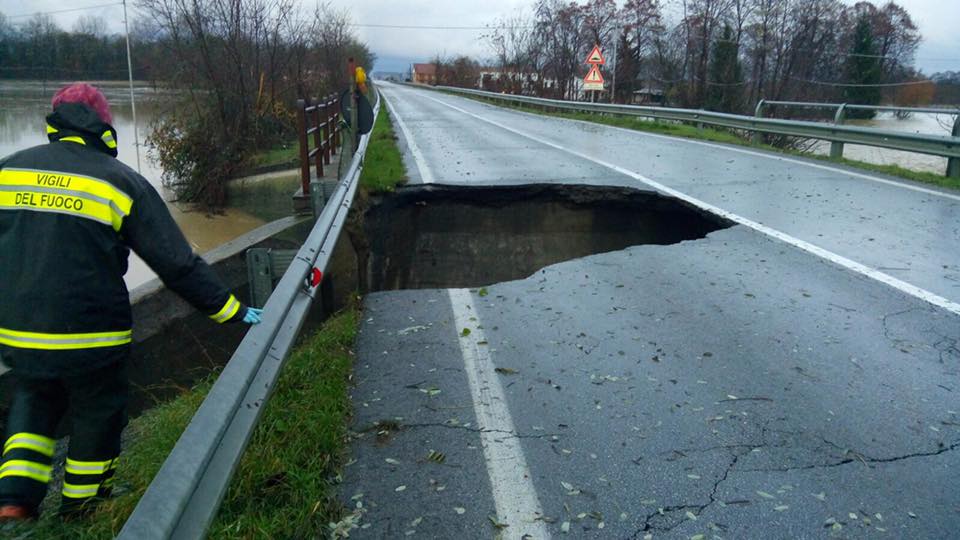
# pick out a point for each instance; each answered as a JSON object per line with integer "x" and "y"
{"x": 87, "y": 95}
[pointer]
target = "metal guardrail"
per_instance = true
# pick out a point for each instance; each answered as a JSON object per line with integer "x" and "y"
{"x": 185, "y": 495}
{"x": 840, "y": 115}
{"x": 945, "y": 146}
{"x": 851, "y": 106}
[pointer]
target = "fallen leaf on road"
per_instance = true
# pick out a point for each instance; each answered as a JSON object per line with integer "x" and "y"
{"x": 765, "y": 495}
{"x": 781, "y": 508}
{"x": 400, "y": 488}
{"x": 392, "y": 461}
{"x": 565, "y": 527}
{"x": 506, "y": 371}
{"x": 459, "y": 510}
{"x": 497, "y": 524}
{"x": 465, "y": 332}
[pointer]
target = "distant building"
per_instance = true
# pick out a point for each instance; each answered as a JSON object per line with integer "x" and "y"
{"x": 424, "y": 73}
{"x": 648, "y": 96}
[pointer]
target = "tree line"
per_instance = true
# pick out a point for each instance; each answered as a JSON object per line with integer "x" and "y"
{"x": 719, "y": 54}
{"x": 239, "y": 67}
{"x": 39, "y": 49}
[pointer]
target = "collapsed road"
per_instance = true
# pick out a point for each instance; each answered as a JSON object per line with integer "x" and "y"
{"x": 789, "y": 373}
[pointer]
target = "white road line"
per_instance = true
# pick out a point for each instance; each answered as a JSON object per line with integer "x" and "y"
{"x": 859, "y": 268}
{"x": 732, "y": 148}
{"x": 514, "y": 495}
{"x": 511, "y": 485}
{"x": 425, "y": 175}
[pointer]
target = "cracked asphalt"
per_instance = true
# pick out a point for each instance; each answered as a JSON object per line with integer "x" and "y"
{"x": 729, "y": 387}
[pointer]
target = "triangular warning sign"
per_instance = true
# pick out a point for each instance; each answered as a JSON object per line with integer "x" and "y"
{"x": 595, "y": 57}
{"x": 594, "y": 76}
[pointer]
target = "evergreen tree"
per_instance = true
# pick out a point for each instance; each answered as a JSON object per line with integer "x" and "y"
{"x": 863, "y": 68}
{"x": 724, "y": 91}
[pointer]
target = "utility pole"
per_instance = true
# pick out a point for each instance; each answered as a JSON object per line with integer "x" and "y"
{"x": 133, "y": 103}
{"x": 613, "y": 85}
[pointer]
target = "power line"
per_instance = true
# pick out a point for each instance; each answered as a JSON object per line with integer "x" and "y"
{"x": 852, "y": 85}
{"x": 428, "y": 27}
{"x": 23, "y": 15}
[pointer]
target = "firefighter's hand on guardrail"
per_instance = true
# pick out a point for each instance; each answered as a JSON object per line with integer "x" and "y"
{"x": 252, "y": 316}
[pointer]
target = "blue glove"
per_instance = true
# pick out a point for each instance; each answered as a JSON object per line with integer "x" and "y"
{"x": 252, "y": 316}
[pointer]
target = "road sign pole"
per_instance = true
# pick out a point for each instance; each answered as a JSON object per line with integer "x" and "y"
{"x": 616, "y": 61}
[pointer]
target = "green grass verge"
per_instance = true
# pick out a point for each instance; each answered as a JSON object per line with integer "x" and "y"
{"x": 891, "y": 170}
{"x": 728, "y": 137}
{"x": 286, "y": 153}
{"x": 284, "y": 486}
{"x": 383, "y": 168}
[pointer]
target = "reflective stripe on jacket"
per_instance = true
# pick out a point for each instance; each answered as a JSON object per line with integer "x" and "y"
{"x": 69, "y": 215}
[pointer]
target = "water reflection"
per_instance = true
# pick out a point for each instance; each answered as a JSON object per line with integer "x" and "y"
{"x": 23, "y": 108}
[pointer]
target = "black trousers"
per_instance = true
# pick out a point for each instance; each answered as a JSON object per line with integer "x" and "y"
{"x": 94, "y": 405}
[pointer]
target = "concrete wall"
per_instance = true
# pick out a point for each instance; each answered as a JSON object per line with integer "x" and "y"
{"x": 174, "y": 345}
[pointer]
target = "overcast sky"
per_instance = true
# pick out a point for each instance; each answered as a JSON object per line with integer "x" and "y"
{"x": 938, "y": 21}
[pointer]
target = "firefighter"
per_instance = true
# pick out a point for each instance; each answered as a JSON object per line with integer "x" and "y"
{"x": 69, "y": 215}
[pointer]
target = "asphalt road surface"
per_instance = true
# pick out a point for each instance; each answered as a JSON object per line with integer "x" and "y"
{"x": 793, "y": 376}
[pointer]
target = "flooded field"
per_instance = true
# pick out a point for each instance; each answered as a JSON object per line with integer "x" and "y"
{"x": 930, "y": 124}
{"x": 23, "y": 107}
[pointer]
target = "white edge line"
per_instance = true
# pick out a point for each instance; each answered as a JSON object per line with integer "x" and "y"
{"x": 514, "y": 495}
{"x": 740, "y": 150}
{"x": 859, "y": 268}
{"x": 425, "y": 175}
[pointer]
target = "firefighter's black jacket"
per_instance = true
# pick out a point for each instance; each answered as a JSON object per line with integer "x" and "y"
{"x": 69, "y": 215}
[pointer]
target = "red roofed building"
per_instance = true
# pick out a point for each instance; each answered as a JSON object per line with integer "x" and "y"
{"x": 424, "y": 73}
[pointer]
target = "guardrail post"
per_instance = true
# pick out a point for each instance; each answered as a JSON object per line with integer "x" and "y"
{"x": 758, "y": 113}
{"x": 953, "y": 164}
{"x": 304, "y": 151}
{"x": 318, "y": 198}
{"x": 836, "y": 148}
{"x": 317, "y": 137}
{"x": 326, "y": 295}
{"x": 259, "y": 275}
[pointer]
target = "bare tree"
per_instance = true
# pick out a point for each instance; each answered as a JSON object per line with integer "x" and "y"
{"x": 243, "y": 63}
{"x": 90, "y": 25}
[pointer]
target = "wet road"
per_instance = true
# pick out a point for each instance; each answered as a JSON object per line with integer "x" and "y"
{"x": 793, "y": 376}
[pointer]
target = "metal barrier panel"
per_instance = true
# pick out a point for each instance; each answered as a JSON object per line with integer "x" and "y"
{"x": 185, "y": 495}
{"x": 944, "y": 146}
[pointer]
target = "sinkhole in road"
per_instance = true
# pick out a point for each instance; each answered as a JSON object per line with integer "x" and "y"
{"x": 441, "y": 236}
